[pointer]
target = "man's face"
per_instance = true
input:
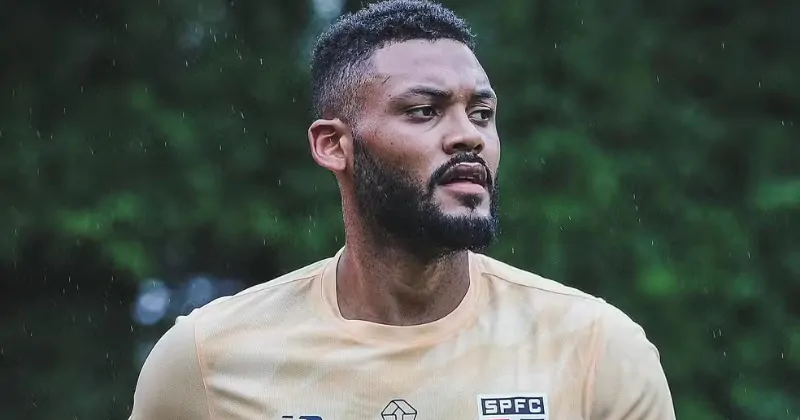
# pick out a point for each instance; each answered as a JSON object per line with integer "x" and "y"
{"x": 426, "y": 149}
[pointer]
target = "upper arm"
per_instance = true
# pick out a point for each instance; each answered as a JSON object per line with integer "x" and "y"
{"x": 629, "y": 382}
{"x": 171, "y": 385}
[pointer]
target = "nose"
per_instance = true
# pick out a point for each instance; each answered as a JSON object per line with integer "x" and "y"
{"x": 464, "y": 136}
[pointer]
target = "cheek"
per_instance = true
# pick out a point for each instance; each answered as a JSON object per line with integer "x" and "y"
{"x": 406, "y": 149}
{"x": 491, "y": 153}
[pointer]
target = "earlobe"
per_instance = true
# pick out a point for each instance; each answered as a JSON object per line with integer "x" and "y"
{"x": 327, "y": 138}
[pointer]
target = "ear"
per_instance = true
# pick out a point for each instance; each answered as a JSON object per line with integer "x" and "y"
{"x": 330, "y": 143}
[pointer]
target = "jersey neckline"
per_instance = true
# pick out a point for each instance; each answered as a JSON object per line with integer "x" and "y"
{"x": 414, "y": 335}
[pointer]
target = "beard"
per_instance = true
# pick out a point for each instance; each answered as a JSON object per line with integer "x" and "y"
{"x": 401, "y": 211}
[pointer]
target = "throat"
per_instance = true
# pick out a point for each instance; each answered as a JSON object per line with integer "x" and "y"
{"x": 392, "y": 290}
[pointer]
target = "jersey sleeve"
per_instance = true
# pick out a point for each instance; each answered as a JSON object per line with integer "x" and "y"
{"x": 629, "y": 382}
{"x": 170, "y": 385}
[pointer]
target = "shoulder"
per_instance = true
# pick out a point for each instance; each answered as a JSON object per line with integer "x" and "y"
{"x": 170, "y": 384}
{"x": 260, "y": 302}
{"x": 602, "y": 320}
{"x": 626, "y": 378}
{"x": 525, "y": 280}
{"x": 172, "y": 381}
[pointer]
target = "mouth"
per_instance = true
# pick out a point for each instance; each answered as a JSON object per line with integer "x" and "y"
{"x": 467, "y": 176}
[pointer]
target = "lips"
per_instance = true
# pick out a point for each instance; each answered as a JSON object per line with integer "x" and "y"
{"x": 465, "y": 172}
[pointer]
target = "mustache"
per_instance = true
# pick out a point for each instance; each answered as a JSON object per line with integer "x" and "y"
{"x": 455, "y": 160}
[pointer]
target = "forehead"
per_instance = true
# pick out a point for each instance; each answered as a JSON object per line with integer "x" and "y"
{"x": 443, "y": 63}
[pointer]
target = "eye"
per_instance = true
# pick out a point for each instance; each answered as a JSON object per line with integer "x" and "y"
{"x": 482, "y": 115}
{"x": 423, "y": 112}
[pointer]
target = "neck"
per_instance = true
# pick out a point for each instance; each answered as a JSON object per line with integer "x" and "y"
{"x": 388, "y": 285}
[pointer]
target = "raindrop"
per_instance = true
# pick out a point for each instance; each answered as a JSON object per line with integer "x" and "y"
{"x": 261, "y": 60}
{"x": 513, "y": 250}
{"x": 723, "y": 45}
{"x": 279, "y": 182}
{"x": 658, "y": 79}
{"x": 241, "y": 114}
{"x": 186, "y": 62}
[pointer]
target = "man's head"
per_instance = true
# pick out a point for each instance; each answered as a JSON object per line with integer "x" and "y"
{"x": 406, "y": 121}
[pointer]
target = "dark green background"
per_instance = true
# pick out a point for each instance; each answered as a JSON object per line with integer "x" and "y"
{"x": 650, "y": 156}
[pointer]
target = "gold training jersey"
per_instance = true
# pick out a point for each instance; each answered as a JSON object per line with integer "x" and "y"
{"x": 518, "y": 347}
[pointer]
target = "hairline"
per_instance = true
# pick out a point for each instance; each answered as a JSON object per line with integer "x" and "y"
{"x": 360, "y": 72}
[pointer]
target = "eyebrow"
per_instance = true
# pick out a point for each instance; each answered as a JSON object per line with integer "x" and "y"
{"x": 485, "y": 94}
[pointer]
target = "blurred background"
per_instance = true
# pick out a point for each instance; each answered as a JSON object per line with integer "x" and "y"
{"x": 153, "y": 157}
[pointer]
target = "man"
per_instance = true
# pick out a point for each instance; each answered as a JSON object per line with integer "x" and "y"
{"x": 407, "y": 321}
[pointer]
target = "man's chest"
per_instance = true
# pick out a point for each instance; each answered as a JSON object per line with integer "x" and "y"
{"x": 454, "y": 381}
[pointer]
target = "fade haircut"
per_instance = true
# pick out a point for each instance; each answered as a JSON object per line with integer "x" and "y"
{"x": 341, "y": 56}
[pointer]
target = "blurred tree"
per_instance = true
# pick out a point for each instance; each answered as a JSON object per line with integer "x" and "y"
{"x": 649, "y": 157}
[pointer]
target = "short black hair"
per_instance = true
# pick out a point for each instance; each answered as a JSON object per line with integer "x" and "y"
{"x": 340, "y": 57}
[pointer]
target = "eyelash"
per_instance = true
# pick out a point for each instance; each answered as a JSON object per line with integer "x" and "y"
{"x": 411, "y": 112}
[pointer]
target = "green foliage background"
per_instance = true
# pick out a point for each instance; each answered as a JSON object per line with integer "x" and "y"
{"x": 650, "y": 156}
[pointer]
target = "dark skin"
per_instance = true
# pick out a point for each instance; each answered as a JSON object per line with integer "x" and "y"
{"x": 423, "y": 102}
